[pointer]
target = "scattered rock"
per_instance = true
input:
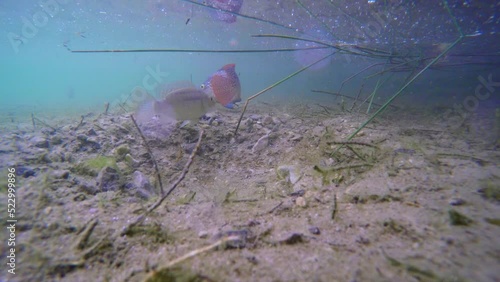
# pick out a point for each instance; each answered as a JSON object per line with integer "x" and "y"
{"x": 142, "y": 182}
{"x": 91, "y": 132}
{"x": 318, "y": 131}
{"x": 261, "y": 144}
{"x": 40, "y": 142}
{"x": 88, "y": 189}
{"x": 80, "y": 197}
{"x": 255, "y": 117}
{"x": 60, "y": 174}
{"x": 88, "y": 144}
{"x": 267, "y": 121}
{"x": 108, "y": 179}
{"x": 25, "y": 171}
{"x": 314, "y": 230}
{"x": 56, "y": 140}
{"x": 292, "y": 239}
{"x": 203, "y": 234}
{"x": 301, "y": 202}
{"x": 456, "y": 201}
{"x": 241, "y": 238}
{"x": 296, "y": 137}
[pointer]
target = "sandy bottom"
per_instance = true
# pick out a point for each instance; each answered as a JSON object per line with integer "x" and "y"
{"x": 409, "y": 199}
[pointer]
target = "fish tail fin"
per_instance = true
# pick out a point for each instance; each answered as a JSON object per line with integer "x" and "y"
{"x": 146, "y": 111}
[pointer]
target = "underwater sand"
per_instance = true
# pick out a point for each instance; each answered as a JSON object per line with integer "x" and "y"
{"x": 409, "y": 200}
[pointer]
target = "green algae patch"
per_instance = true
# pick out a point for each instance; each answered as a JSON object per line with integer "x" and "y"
{"x": 490, "y": 190}
{"x": 457, "y": 218}
{"x": 92, "y": 166}
{"x": 494, "y": 221}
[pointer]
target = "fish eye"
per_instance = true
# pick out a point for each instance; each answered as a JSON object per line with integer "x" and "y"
{"x": 202, "y": 86}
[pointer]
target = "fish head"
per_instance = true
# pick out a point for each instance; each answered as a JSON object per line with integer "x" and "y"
{"x": 224, "y": 85}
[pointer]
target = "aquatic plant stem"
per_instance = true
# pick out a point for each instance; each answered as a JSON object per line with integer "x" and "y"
{"x": 414, "y": 78}
{"x": 238, "y": 14}
{"x": 274, "y": 85}
{"x": 155, "y": 164}
{"x": 168, "y": 50}
{"x": 403, "y": 88}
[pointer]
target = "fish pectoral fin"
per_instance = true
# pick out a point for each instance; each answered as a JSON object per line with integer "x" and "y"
{"x": 232, "y": 106}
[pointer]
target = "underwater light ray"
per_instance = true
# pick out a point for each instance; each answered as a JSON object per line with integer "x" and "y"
{"x": 240, "y": 15}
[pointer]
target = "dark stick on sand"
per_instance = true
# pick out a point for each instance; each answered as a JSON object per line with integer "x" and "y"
{"x": 185, "y": 170}
{"x": 33, "y": 120}
{"x": 150, "y": 154}
{"x": 106, "y": 108}
{"x": 80, "y": 124}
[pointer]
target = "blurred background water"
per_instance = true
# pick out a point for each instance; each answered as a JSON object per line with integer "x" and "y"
{"x": 39, "y": 72}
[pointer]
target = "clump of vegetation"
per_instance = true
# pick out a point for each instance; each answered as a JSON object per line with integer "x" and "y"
{"x": 490, "y": 190}
{"x": 494, "y": 221}
{"x": 155, "y": 233}
{"x": 457, "y": 218}
{"x": 92, "y": 166}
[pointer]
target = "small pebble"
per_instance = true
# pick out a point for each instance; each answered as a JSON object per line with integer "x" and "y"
{"x": 60, "y": 174}
{"x": 456, "y": 201}
{"x": 314, "y": 230}
{"x": 301, "y": 202}
{"x": 40, "y": 142}
{"x": 261, "y": 144}
{"x": 203, "y": 234}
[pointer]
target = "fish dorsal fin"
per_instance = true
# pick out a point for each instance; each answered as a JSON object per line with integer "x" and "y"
{"x": 166, "y": 88}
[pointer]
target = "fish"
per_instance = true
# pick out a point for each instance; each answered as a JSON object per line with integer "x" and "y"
{"x": 182, "y": 100}
{"x": 180, "y": 104}
{"x": 228, "y": 5}
{"x": 224, "y": 85}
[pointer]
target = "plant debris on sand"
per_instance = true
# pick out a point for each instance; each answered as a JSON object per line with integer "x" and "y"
{"x": 279, "y": 201}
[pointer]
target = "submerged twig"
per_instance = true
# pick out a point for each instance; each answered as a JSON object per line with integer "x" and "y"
{"x": 169, "y": 50}
{"x": 42, "y": 122}
{"x": 185, "y": 170}
{"x": 150, "y": 154}
{"x": 81, "y": 122}
{"x": 33, "y": 120}
{"x": 274, "y": 85}
{"x": 82, "y": 242}
{"x": 334, "y": 211}
{"x": 351, "y": 166}
{"x": 193, "y": 253}
{"x": 351, "y": 143}
{"x": 106, "y": 108}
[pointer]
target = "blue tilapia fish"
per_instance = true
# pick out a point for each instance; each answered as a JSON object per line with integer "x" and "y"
{"x": 188, "y": 102}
